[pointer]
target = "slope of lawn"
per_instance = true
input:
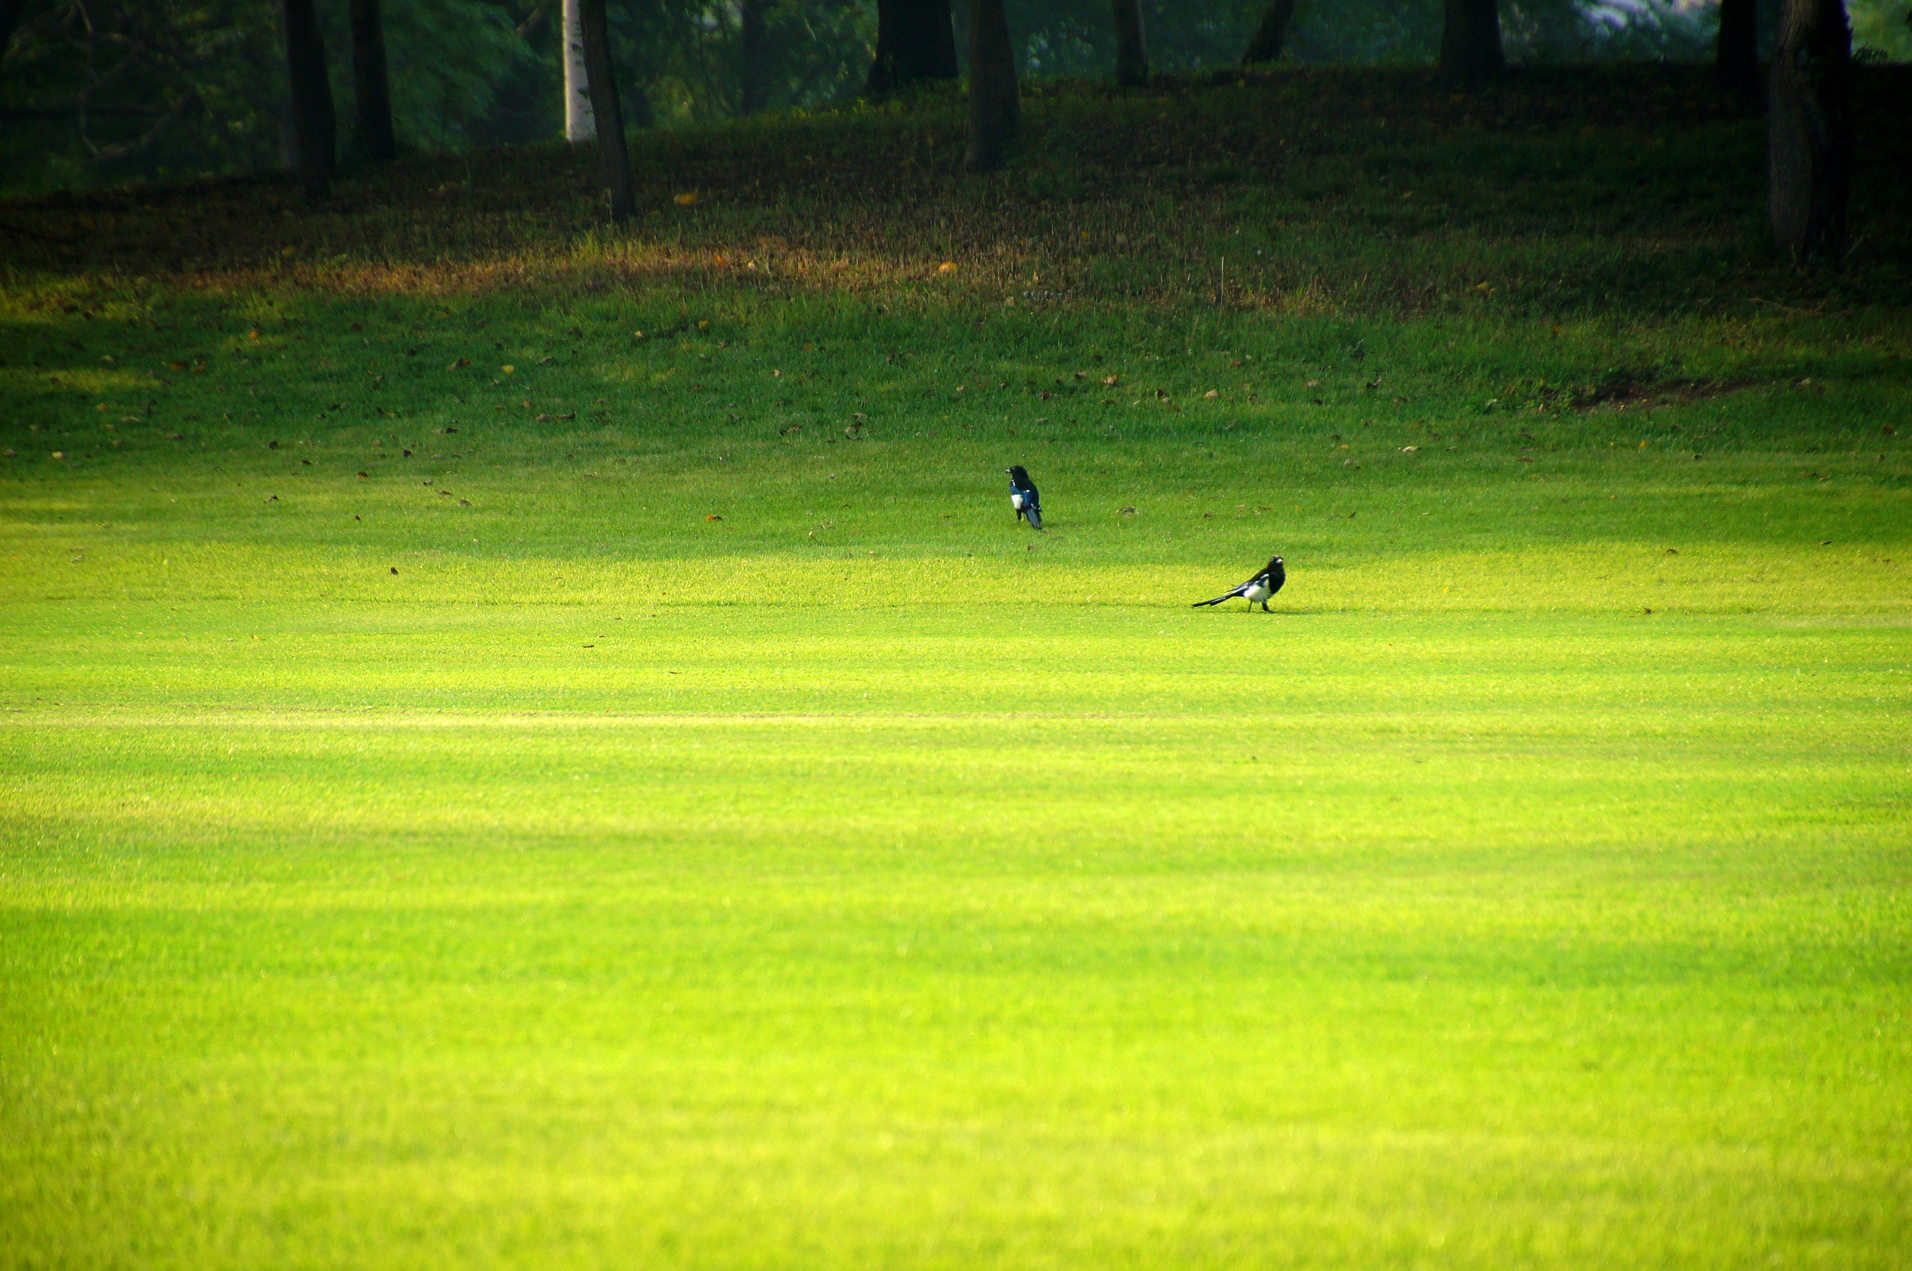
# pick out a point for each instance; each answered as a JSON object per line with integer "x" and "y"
{"x": 527, "y": 744}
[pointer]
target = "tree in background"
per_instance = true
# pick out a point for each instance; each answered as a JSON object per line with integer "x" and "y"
{"x": 1809, "y": 129}
{"x": 580, "y": 121}
{"x": 1470, "y": 41}
{"x": 372, "y": 135}
{"x": 1131, "y": 54}
{"x": 608, "y": 115}
{"x": 1737, "y": 59}
{"x": 915, "y": 43}
{"x": 315, "y": 126}
{"x": 101, "y": 91}
{"x": 753, "y": 56}
{"x": 995, "y": 111}
{"x": 1271, "y": 34}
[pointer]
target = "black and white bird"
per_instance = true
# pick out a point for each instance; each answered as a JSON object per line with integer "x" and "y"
{"x": 1023, "y": 496}
{"x": 1256, "y": 590}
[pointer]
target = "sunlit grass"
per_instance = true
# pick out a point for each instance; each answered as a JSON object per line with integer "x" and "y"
{"x": 680, "y": 818}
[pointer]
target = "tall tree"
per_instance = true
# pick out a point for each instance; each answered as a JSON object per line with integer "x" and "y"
{"x": 915, "y": 42}
{"x": 371, "y": 85}
{"x": 995, "y": 110}
{"x": 609, "y": 115}
{"x": 579, "y": 124}
{"x": 1271, "y": 35}
{"x": 1470, "y": 41}
{"x": 314, "y": 125}
{"x": 755, "y": 40}
{"x": 1131, "y": 54}
{"x": 1809, "y": 128}
{"x": 1737, "y": 58}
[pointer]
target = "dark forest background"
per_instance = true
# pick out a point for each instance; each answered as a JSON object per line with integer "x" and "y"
{"x": 99, "y": 92}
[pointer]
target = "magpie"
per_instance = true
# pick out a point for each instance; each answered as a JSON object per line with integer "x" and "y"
{"x": 1023, "y": 496}
{"x": 1256, "y": 590}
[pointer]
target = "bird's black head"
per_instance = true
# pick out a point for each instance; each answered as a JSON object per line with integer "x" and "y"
{"x": 1274, "y": 563}
{"x": 1017, "y": 473}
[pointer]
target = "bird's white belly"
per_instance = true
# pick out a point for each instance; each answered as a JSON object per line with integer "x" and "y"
{"x": 1015, "y": 501}
{"x": 1257, "y": 592}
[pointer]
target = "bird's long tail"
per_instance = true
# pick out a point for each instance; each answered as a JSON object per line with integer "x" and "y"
{"x": 1034, "y": 514}
{"x": 1216, "y": 601}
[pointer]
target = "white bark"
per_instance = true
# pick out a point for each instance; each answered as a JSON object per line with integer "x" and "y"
{"x": 580, "y": 124}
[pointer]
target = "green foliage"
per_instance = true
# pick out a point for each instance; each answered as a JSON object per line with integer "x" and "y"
{"x": 1881, "y": 29}
{"x": 448, "y": 58}
{"x": 104, "y": 91}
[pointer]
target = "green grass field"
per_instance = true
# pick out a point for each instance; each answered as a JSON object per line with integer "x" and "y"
{"x": 674, "y": 816}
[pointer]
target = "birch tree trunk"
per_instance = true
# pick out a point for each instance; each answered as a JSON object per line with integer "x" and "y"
{"x": 579, "y": 121}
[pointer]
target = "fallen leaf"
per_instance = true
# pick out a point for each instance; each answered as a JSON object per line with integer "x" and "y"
{"x": 687, "y": 199}
{"x": 394, "y": 568}
{"x": 713, "y": 517}
{"x": 461, "y": 362}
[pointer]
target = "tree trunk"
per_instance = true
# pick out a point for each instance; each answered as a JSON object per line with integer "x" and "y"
{"x": 1131, "y": 54}
{"x": 756, "y": 58}
{"x": 1470, "y": 41}
{"x": 994, "y": 109}
{"x": 371, "y": 87}
{"x": 608, "y": 114}
{"x": 579, "y": 125}
{"x": 314, "y": 125}
{"x": 914, "y": 43}
{"x": 1737, "y": 55}
{"x": 1271, "y": 35}
{"x": 1809, "y": 128}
